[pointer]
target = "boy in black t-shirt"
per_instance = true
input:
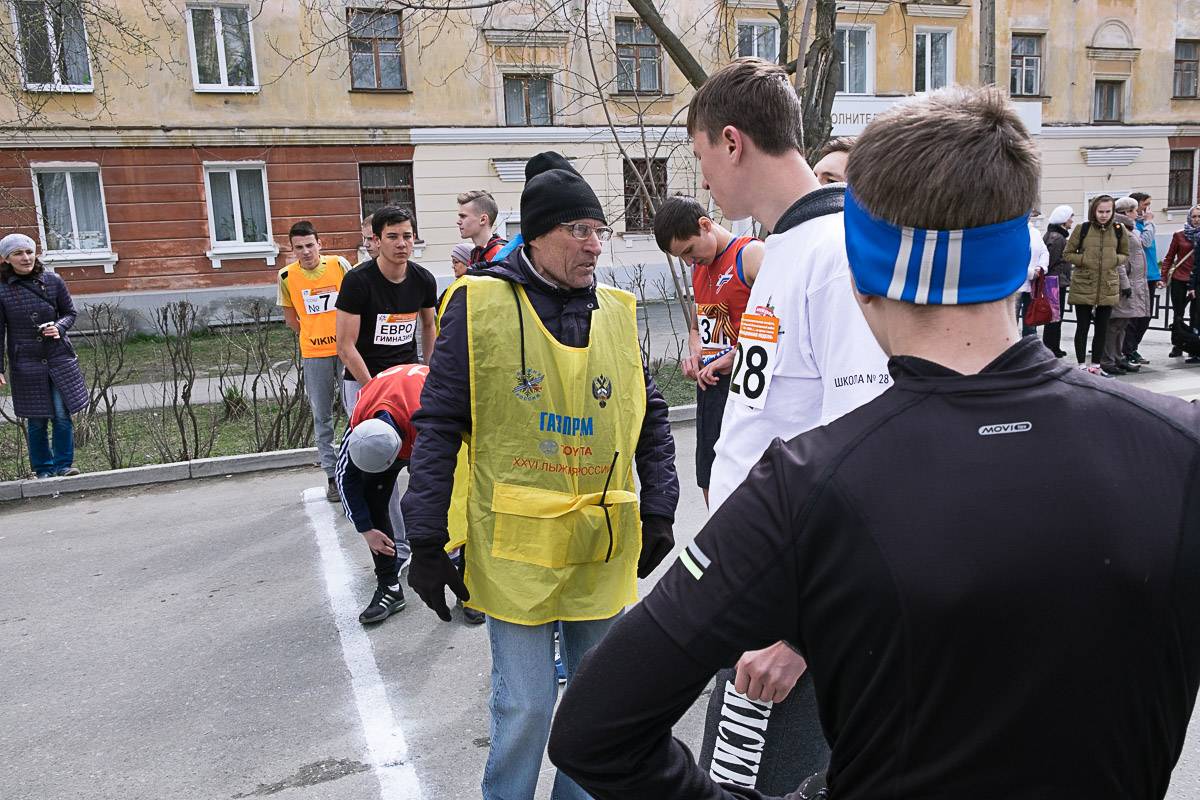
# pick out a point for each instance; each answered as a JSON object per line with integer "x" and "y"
{"x": 380, "y": 305}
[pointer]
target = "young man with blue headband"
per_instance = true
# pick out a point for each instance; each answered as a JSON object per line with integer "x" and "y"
{"x": 969, "y": 633}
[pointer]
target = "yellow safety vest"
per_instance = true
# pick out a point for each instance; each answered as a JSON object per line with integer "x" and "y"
{"x": 551, "y": 450}
{"x": 313, "y": 300}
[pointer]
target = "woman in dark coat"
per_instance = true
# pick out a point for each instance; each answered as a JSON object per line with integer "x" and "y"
{"x": 47, "y": 385}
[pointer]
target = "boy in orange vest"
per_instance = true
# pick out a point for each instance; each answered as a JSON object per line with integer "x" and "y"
{"x": 308, "y": 292}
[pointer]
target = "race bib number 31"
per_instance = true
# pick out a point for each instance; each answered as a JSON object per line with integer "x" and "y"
{"x": 754, "y": 363}
{"x": 319, "y": 301}
{"x": 395, "y": 328}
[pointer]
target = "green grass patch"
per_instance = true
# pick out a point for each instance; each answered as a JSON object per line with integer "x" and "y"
{"x": 146, "y": 359}
{"x": 140, "y": 435}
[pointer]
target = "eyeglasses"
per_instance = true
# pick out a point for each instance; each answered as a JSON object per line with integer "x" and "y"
{"x": 582, "y": 231}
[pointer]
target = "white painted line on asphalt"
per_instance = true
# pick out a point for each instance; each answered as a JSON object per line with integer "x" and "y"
{"x": 385, "y": 738}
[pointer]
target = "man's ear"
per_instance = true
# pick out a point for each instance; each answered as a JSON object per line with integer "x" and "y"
{"x": 705, "y": 225}
{"x": 734, "y": 142}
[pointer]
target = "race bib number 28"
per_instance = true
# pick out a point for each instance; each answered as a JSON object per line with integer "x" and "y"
{"x": 754, "y": 363}
{"x": 395, "y": 328}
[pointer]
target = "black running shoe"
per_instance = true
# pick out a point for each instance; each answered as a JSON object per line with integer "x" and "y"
{"x": 384, "y": 603}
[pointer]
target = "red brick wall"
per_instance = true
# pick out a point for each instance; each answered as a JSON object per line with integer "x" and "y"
{"x": 158, "y": 220}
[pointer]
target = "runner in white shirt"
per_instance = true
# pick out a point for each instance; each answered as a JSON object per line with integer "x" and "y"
{"x": 805, "y": 357}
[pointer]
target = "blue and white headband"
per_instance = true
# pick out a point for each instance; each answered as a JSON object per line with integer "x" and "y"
{"x": 928, "y": 267}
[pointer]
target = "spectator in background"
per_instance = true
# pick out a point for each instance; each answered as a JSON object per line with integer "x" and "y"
{"x": 477, "y": 212}
{"x": 47, "y": 385}
{"x": 370, "y": 242}
{"x": 460, "y": 259}
{"x": 830, "y": 166}
{"x": 1144, "y": 223}
{"x": 1178, "y": 272}
{"x": 1135, "y": 300}
{"x": 1039, "y": 260}
{"x": 1096, "y": 250}
{"x": 1058, "y": 230}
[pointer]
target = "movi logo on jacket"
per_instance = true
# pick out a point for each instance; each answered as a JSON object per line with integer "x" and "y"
{"x": 999, "y": 428}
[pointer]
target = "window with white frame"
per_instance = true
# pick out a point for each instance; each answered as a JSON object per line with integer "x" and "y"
{"x": 933, "y": 65}
{"x": 54, "y": 50}
{"x": 70, "y": 204}
{"x": 239, "y": 213}
{"x": 852, "y": 50}
{"x": 759, "y": 39}
{"x": 1109, "y": 101}
{"x": 1025, "y": 70}
{"x": 222, "y": 48}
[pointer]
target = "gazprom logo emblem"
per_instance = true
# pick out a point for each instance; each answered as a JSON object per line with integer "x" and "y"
{"x": 1005, "y": 427}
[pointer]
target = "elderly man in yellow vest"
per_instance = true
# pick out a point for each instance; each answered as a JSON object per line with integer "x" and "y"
{"x": 308, "y": 290}
{"x": 538, "y": 369}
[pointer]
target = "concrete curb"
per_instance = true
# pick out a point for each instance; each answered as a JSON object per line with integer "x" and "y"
{"x": 159, "y": 473}
{"x": 682, "y": 413}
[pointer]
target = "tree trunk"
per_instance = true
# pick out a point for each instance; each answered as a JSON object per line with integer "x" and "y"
{"x": 819, "y": 83}
{"x": 987, "y": 42}
{"x": 675, "y": 47}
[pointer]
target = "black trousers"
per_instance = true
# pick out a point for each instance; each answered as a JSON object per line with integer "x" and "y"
{"x": 377, "y": 491}
{"x": 1086, "y": 317}
{"x": 1052, "y": 331}
{"x": 1137, "y": 327}
{"x": 1179, "y": 300}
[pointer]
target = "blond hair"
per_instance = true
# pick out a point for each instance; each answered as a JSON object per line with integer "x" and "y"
{"x": 483, "y": 201}
{"x": 956, "y": 158}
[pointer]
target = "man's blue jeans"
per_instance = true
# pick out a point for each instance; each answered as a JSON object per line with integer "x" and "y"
{"x": 42, "y": 459}
{"x": 524, "y": 690}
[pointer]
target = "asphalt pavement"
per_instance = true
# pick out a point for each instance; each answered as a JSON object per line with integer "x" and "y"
{"x": 200, "y": 640}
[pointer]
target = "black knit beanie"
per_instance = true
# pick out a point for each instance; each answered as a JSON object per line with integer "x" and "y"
{"x": 554, "y": 196}
{"x": 546, "y": 161}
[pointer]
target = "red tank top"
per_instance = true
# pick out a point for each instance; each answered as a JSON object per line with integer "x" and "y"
{"x": 396, "y": 390}
{"x": 721, "y": 294}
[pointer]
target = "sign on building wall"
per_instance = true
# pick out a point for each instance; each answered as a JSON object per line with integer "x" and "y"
{"x": 852, "y": 113}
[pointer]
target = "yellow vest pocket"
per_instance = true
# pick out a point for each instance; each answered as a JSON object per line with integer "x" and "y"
{"x": 554, "y": 529}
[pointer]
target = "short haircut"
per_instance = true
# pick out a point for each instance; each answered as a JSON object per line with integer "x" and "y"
{"x": 366, "y": 223}
{"x": 302, "y": 228}
{"x": 840, "y": 144}
{"x": 389, "y": 215}
{"x": 900, "y": 172}
{"x": 678, "y": 218}
{"x": 1125, "y": 204}
{"x": 753, "y": 96}
{"x": 484, "y": 203}
{"x": 1141, "y": 197}
{"x": 1097, "y": 201}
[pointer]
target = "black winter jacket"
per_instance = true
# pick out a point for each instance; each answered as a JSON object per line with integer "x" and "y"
{"x": 446, "y": 405}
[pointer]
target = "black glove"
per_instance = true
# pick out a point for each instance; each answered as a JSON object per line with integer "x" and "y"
{"x": 1127, "y": 293}
{"x": 657, "y": 543}
{"x": 430, "y": 573}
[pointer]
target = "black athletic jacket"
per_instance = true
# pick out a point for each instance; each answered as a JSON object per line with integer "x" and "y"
{"x": 983, "y": 614}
